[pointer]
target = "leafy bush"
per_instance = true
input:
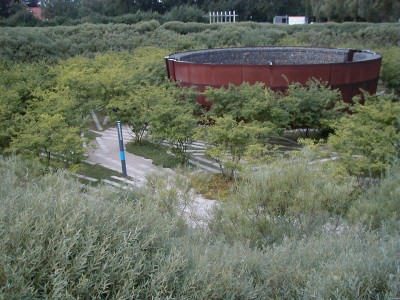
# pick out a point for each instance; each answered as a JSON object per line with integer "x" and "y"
{"x": 260, "y": 37}
{"x": 185, "y": 28}
{"x": 228, "y": 141}
{"x": 391, "y": 68}
{"x": 311, "y": 106}
{"x": 156, "y": 152}
{"x": 248, "y": 103}
{"x": 186, "y": 13}
{"x": 172, "y": 119}
{"x": 21, "y": 18}
{"x": 368, "y": 139}
{"x": 292, "y": 197}
{"x": 137, "y": 17}
{"x": 380, "y": 204}
{"x": 57, "y": 242}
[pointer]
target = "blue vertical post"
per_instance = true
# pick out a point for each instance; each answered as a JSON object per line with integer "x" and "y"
{"x": 121, "y": 149}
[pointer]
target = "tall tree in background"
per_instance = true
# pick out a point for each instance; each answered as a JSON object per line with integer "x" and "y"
{"x": 9, "y": 7}
{"x": 5, "y": 8}
{"x": 249, "y": 10}
{"x": 31, "y": 3}
{"x": 64, "y": 8}
{"x": 388, "y": 10}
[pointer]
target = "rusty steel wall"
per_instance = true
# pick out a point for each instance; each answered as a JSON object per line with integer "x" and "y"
{"x": 349, "y": 77}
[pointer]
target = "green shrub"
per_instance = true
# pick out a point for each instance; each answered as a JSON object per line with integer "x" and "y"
{"x": 390, "y": 72}
{"x": 21, "y": 18}
{"x": 259, "y": 37}
{"x": 137, "y": 17}
{"x": 53, "y": 43}
{"x": 57, "y": 242}
{"x": 368, "y": 139}
{"x": 292, "y": 197}
{"x": 380, "y": 204}
{"x": 185, "y": 28}
{"x": 186, "y": 13}
{"x": 156, "y": 152}
{"x": 146, "y": 26}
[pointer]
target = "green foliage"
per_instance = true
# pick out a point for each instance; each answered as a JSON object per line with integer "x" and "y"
{"x": 65, "y": 8}
{"x": 112, "y": 76}
{"x": 135, "y": 109}
{"x": 368, "y": 10}
{"x": 227, "y": 141}
{"x": 17, "y": 88}
{"x": 22, "y": 18}
{"x": 247, "y": 103}
{"x": 97, "y": 248}
{"x": 61, "y": 42}
{"x": 49, "y": 139}
{"x": 57, "y": 242}
{"x": 311, "y": 106}
{"x": 186, "y": 13}
{"x": 94, "y": 171}
{"x": 380, "y": 205}
{"x": 368, "y": 139}
{"x": 288, "y": 198}
{"x": 7, "y": 101}
{"x": 173, "y": 192}
{"x": 172, "y": 119}
{"x": 391, "y": 68}
{"x": 156, "y": 152}
{"x": 137, "y": 17}
{"x": 185, "y": 28}
{"x": 251, "y": 10}
{"x": 39, "y": 102}
{"x": 61, "y": 101}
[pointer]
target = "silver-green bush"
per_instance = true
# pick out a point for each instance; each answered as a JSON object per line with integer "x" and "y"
{"x": 57, "y": 242}
{"x": 291, "y": 197}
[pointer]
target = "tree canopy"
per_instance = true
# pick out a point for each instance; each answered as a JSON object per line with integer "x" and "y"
{"x": 250, "y": 10}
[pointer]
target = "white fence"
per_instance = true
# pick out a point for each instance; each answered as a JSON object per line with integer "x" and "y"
{"x": 222, "y": 17}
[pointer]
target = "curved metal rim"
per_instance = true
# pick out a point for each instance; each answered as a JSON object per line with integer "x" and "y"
{"x": 376, "y": 55}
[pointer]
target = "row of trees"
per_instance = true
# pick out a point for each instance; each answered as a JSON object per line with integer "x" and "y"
{"x": 192, "y": 10}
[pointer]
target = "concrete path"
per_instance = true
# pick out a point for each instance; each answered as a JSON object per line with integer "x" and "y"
{"x": 107, "y": 154}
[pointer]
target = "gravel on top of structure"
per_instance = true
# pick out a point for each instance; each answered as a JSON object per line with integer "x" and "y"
{"x": 273, "y": 56}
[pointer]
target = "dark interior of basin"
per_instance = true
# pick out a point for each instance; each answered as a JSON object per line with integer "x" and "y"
{"x": 273, "y": 56}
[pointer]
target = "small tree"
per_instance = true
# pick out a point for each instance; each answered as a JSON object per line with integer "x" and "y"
{"x": 311, "y": 106}
{"x": 135, "y": 110}
{"x": 368, "y": 140}
{"x": 49, "y": 139}
{"x": 227, "y": 141}
{"x": 173, "y": 119}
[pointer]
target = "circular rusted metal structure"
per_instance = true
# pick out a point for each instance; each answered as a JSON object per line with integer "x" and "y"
{"x": 348, "y": 70}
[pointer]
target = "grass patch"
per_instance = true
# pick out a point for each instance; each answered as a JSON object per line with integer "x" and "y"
{"x": 91, "y": 135}
{"x": 212, "y": 186}
{"x": 96, "y": 171}
{"x": 157, "y": 153}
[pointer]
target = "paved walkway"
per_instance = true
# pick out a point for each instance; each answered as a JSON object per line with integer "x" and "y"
{"x": 107, "y": 154}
